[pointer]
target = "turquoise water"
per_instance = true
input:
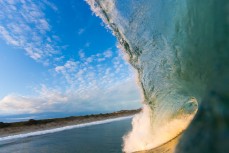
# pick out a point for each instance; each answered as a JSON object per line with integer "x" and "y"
{"x": 180, "y": 50}
{"x": 103, "y": 138}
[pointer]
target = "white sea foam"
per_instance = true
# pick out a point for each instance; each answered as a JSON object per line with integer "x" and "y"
{"x": 148, "y": 136}
{"x": 62, "y": 128}
{"x": 164, "y": 51}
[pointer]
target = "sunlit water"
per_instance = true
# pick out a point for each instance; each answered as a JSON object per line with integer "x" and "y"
{"x": 179, "y": 50}
{"x": 103, "y": 138}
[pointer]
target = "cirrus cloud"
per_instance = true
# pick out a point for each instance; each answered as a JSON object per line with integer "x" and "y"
{"x": 24, "y": 25}
{"x": 123, "y": 95}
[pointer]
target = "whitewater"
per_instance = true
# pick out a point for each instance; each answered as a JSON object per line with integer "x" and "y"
{"x": 180, "y": 52}
{"x": 36, "y": 133}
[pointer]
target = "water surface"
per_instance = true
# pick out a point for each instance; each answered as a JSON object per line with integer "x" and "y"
{"x": 103, "y": 138}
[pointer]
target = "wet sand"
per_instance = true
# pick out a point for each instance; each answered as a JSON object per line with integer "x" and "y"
{"x": 168, "y": 147}
{"x": 7, "y": 129}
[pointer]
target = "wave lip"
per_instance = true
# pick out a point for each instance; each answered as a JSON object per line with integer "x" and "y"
{"x": 18, "y": 136}
{"x": 179, "y": 50}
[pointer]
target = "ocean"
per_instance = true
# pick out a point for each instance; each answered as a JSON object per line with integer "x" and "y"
{"x": 180, "y": 51}
{"x": 97, "y": 138}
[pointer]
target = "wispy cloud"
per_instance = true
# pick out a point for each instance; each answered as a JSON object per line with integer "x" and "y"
{"x": 18, "y": 104}
{"x": 123, "y": 95}
{"x": 23, "y": 24}
{"x": 101, "y": 69}
{"x": 81, "y": 31}
{"x": 51, "y": 5}
{"x": 90, "y": 86}
{"x": 68, "y": 66}
{"x": 100, "y": 81}
{"x": 108, "y": 53}
{"x": 81, "y": 54}
{"x": 87, "y": 44}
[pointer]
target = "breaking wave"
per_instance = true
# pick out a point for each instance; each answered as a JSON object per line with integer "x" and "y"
{"x": 179, "y": 49}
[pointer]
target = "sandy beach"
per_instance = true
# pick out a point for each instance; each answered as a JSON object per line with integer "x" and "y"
{"x": 7, "y": 129}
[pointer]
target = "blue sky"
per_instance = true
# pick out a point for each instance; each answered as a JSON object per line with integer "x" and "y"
{"x": 57, "y": 59}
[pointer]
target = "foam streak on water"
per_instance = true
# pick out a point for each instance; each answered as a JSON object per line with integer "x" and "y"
{"x": 62, "y": 128}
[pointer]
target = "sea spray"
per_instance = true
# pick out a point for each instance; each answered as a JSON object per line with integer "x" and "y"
{"x": 167, "y": 93}
{"x": 179, "y": 50}
{"x": 144, "y": 135}
{"x": 140, "y": 137}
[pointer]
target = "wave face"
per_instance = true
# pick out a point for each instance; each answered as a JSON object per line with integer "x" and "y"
{"x": 180, "y": 50}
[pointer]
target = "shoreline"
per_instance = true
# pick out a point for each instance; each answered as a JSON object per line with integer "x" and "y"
{"x": 38, "y": 127}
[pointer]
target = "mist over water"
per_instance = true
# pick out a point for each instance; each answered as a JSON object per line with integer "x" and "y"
{"x": 146, "y": 135}
{"x": 178, "y": 51}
